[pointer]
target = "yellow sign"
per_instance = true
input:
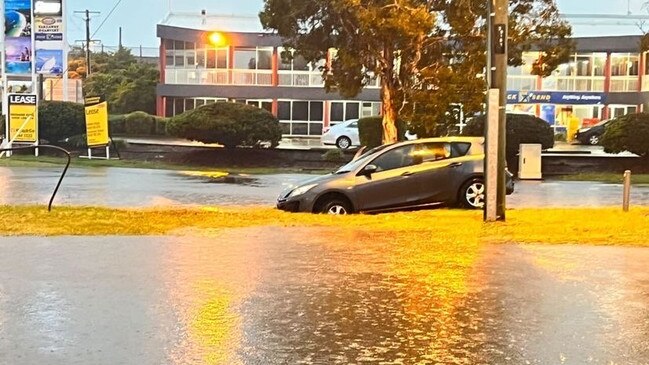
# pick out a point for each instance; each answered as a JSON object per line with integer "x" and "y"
{"x": 23, "y": 118}
{"x": 97, "y": 125}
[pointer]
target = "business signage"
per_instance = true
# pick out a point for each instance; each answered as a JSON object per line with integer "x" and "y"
{"x": 49, "y": 61}
{"x": 49, "y": 24}
{"x": 18, "y": 44}
{"x": 97, "y": 122}
{"x": 23, "y": 118}
{"x": 555, "y": 97}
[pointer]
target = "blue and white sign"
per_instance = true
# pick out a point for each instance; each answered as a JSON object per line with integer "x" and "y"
{"x": 555, "y": 97}
{"x": 49, "y": 61}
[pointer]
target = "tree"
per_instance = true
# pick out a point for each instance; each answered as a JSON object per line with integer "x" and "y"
{"x": 125, "y": 83}
{"x": 425, "y": 53}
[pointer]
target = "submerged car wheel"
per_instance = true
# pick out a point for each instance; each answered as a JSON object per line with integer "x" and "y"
{"x": 336, "y": 207}
{"x": 472, "y": 194}
{"x": 343, "y": 143}
{"x": 593, "y": 140}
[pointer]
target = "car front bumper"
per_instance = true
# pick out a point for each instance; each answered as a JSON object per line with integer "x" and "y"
{"x": 302, "y": 203}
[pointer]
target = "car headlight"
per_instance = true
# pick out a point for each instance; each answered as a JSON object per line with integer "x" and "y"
{"x": 301, "y": 190}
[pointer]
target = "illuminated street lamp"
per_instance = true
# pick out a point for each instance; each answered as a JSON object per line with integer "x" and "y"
{"x": 217, "y": 39}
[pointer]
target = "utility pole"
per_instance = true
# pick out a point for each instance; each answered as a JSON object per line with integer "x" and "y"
{"x": 496, "y": 161}
{"x": 87, "y": 41}
{"x": 120, "y": 38}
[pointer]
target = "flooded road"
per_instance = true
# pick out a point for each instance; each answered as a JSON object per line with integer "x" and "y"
{"x": 318, "y": 296}
{"x": 119, "y": 187}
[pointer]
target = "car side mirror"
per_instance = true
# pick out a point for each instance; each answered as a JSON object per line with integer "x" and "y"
{"x": 369, "y": 170}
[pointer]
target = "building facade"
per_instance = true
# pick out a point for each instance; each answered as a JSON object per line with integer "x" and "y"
{"x": 606, "y": 77}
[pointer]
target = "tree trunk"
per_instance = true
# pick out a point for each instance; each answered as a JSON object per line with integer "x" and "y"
{"x": 389, "y": 114}
{"x": 387, "y": 98}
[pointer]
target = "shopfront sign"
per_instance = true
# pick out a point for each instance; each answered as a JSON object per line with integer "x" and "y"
{"x": 555, "y": 97}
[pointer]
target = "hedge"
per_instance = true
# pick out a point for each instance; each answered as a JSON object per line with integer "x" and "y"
{"x": 370, "y": 131}
{"x": 628, "y": 133}
{"x": 229, "y": 124}
{"x": 58, "y": 120}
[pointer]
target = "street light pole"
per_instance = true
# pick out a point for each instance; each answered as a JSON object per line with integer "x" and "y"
{"x": 495, "y": 126}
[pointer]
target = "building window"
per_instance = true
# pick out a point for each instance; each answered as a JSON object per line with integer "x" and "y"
{"x": 300, "y": 117}
{"x": 344, "y": 110}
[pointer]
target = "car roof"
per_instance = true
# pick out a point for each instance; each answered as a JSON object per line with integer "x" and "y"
{"x": 465, "y": 139}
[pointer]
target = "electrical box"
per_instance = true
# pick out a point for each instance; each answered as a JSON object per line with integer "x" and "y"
{"x": 530, "y": 162}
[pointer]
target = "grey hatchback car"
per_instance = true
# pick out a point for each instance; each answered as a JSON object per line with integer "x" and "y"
{"x": 408, "y": 174}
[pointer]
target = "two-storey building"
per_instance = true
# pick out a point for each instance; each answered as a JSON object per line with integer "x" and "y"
{"x": 207, "y": 59}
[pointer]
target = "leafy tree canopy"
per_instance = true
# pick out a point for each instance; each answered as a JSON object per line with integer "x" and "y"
{"x": 426, "y": 53}
{"x": 127, "y": 84}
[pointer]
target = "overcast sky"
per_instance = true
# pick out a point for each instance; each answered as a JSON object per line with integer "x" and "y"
{"x": 139, "y": 17}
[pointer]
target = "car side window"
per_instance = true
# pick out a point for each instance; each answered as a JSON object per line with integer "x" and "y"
{"x": 403, "y": 156}
{"x": 434, "y": 151}
{"x": 353, "y": 125}
{"x": 460, "y": 149}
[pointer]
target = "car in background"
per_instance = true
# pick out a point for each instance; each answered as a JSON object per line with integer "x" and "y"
{"x": 592, "y": 135}
{"x": 408, "y": 174}
{"x": 343, "y": 135}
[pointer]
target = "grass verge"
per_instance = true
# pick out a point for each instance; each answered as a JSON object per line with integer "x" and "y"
{"x": 48, "y": 161}
{"x": 606, "y": 226}
{"x": 604, "y": 177}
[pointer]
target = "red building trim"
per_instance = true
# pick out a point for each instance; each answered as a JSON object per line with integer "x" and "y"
{"x": 275, "y": 67}
{"x": 607, "y": 83}
{"x": 161, "y": 101}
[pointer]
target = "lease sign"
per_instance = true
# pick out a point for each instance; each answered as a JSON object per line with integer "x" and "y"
{"x": 23, "y": 118}
{"x": 97, "y": 123}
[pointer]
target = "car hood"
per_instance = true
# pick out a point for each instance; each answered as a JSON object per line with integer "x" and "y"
{"x": 314, "y": 180}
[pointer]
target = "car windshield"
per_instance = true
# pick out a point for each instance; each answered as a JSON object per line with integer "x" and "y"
{"x": 362, "y": 159}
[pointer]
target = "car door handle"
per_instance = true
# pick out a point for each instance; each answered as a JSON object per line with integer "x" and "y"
{"x": 408, "y": 173}
{"x": 455, "y": 165}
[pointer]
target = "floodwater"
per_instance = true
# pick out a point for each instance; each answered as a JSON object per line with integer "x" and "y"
{"x": 118, "y": 187}
{"x": 314, "y": 296}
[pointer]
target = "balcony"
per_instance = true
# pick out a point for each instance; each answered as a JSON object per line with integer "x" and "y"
{"x": 179, "y": 76}
{"x": 574, "y": 83}
{"x": 300, "y": 79}
{"x": 624, "y": 83}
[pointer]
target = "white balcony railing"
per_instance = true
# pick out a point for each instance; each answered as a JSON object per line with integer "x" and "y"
{"x": 218, "y": 77}
{"x": 300, "y": 78}
{"x": 574, "y": 83}
{"x": 624, "y": 83}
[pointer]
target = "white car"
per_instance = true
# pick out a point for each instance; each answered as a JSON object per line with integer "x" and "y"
{"x": 343, "y": 135}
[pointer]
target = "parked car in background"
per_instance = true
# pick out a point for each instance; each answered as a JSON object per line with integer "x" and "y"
{"x": 343, "y": 135}
{"x": 592, "y": 135}
{"x": 407, "y": 174}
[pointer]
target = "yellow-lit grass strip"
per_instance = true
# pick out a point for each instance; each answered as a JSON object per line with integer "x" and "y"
{"x": 601, "y": 226}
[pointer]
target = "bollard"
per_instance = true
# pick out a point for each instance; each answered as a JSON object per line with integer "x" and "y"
{"x": 627, "y": 191}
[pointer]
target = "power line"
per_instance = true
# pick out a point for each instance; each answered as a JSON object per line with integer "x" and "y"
{"x": 107, "y": 17}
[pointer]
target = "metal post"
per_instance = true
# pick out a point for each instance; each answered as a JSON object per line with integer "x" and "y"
{"x": 491, "y": 157}
{"x": 501, "y": 20}
{"x": 626, "y": 199}
{"x": 87, "y": 42}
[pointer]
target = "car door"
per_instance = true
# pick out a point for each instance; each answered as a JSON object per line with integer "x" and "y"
{"x": 394, "y": 184}
{"x": 443, "y": 167}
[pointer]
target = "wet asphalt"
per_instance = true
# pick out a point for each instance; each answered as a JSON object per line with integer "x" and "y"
{"x": 118, "y": 187}
{"x": 311, "y": 296}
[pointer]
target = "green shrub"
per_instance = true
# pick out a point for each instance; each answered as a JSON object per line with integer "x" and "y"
{"x": 370, "y": 131}
{"x": 117, "y": 124}
{"x": 229, "y": 124}
{"x": 161, "y": 126}
{"x": 628, "y": 133}
{"x": 521, "y": 128}
{"x": 334, "y": 155}
{"x": 58, "y": 120}
{"x": 140, "y": 124}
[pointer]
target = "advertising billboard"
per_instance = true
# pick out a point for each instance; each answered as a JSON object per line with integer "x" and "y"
{"x": 49, "y": 61}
